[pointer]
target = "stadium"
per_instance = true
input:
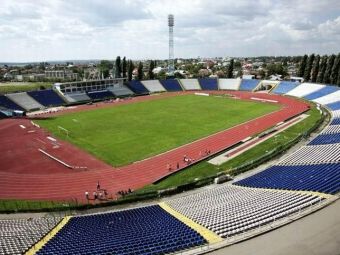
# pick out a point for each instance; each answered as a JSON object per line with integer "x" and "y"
{"x": 99, "y": 143}
{"x": 232, "y": 147}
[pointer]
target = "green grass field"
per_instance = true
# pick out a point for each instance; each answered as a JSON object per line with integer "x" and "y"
{"x": 127, "y": 133}
{"x": 11, "y": 87}
{"x": 204, "y": 169}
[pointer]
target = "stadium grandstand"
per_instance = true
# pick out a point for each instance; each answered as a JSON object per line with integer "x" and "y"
{"x": 25, "y": 101}
{"x": 171, "y": 85}
{"x": 229, "y": 84}
{"x": 208, "y": 83}
{"x": 190, "y": 84}
{"x": 248, "y": 85}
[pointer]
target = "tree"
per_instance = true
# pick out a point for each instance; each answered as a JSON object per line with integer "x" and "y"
{"x": 124, "y": 67}
{"x": 130, "y": 70}
{"x": 276, "y": 69}
{"x": 140, "y": 71}
{"x": 42, "y": 66}
{"x": 239, "y": 73}
{"x": 104, "y": 67}
{"x": 161, "y": 75}
{"x": 323, "y": 65}
{"x": 151, "y": 67}
{"x": 230, "y": 69}
{"x": 315, "y": 70}
{"x": 335, "y": 70}
{"x": 309, "y": 67}
{"x": 220, "y": 74}
{"x": 118, "y": 67}
{"x": 330, "y": 63}
{"x": 302, "y": 66}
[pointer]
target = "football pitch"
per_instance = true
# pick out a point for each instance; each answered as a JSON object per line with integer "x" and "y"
{"x": 124, "y": 134}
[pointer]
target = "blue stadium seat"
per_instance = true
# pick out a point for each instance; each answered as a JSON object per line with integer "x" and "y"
{"x": 284, "y": 87}
{"x": 320, "y": 178}
{"x": 208, "y": 83}
{"x": 248, "y": 84}
{"x": 137, "y": 87}
{"x": 46, "y": 97}
{"x": 335, "y": 121}
{"x": 8, "y": 104}
{"x": 146, "y": 230}
{"x": 100, "y": 95}
{"x": 322, "y": 92}
{"x": 334, "y": 106}
{"x": 171, "y": 85}
{"x": 326, "y": 139}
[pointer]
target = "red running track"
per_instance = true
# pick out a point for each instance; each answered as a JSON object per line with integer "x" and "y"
{"x": 25, "y": 173}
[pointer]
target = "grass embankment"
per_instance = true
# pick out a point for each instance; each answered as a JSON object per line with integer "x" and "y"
{"x": 11, "y": 87}
{"x": 25, "y": 205}
{"x": 204, "y": 169}
{"x": 127, "y": 133}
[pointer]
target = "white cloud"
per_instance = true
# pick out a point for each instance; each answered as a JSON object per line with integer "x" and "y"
{"x": 82, "y": 29}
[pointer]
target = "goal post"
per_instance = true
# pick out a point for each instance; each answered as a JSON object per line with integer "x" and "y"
{"x": 63, "y": 130}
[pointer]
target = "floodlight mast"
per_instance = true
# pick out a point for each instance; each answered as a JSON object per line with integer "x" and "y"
{"x": 171, "y": 63}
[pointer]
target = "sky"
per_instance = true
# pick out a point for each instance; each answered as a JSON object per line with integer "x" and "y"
{"x": 46, "y": 30}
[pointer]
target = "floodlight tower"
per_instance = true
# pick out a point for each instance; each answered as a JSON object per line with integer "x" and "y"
{"x": 171, "y": 64}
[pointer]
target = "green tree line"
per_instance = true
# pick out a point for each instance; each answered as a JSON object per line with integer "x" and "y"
{"x": 325, "y": 69}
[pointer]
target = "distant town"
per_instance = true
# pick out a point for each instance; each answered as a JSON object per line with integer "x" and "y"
{"x": 312, "y": 68}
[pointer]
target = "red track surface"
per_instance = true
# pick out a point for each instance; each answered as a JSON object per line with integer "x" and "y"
{"x": 26, "y": 173}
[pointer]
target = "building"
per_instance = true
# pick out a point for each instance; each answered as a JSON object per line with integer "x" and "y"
{"x": 61, "y": 74}
{"x": 89, "y": 86}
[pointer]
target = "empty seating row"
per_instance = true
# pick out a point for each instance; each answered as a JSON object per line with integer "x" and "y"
{"x": 248, "y": 84}
{"x": 146, "y": 230}
{"x": 230, "y": 210}
{"x": 284, "y": 87}
{"x": 18, "y": 235}
{"x": 208, "y": 83}
{"x": 7, "y": 103}
{"x": 330, "y": 138}
{"x": 121, "y": 91}
{"x": 321, "y": 178}
{"x": 328, "y": 99}
{"x": 190, "y": 84}
{"x": 25, "y": 101}
{"x": 334, "y": 106}
{"x": 305, "y": 89}
{"x": 100, "y": 95}
{"x": 322, "y": 92}
{"x": 153, "y": 86}
{"x": 46, "y": 97}
{"x": 137, "y": 87}
{"x": 74, "y": 98}
{"x": 171, "y": 85}
{"x": 335, "y": 118}
{"x": 313, "y": 154}
{"x": 229, "y": 84}
{"x": 332, "y": 129}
